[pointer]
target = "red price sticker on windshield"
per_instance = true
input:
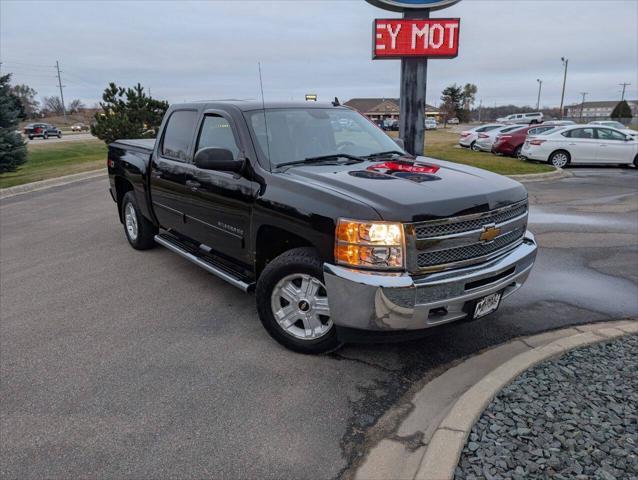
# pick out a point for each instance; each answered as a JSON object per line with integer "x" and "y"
{"x": 431, "y": 38}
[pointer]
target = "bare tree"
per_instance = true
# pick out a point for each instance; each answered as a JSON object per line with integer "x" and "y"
{"x": 75, "y": 106}
{"x": 26, "y": 94}
{"x": 52, "y": 105}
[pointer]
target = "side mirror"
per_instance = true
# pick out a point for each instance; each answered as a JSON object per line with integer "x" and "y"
{"x": 400, "y": 143}
{"x": 221, "y": 159}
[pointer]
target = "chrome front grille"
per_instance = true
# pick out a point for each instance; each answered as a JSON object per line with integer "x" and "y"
{"x": 458, "y": 225}
{"x": 473, "y": 251}
{"x": 465, "y": 240}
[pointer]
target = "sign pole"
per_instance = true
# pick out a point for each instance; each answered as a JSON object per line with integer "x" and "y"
{"x": 414, "y": 72}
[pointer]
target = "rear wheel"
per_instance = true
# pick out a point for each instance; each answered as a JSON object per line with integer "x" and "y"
{"x": 292, "y": 302}
{"x": 636, "y": 161}
{"x": 59, "y": 134}
{"x": 30, "y": 137}
{"x": 140, "y": 232}
{"x": 517, "y": 151}
{"x": 560, "y": 159}
{"x": 474, "y": 147}
{"x": 45, "y": 135}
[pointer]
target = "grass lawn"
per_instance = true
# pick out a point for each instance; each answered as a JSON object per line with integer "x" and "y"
{"x": 443, "y": 144}
{"x": 55, "y": 160}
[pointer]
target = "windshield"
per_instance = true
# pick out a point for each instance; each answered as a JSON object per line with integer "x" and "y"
{"x": 298, "y": 133}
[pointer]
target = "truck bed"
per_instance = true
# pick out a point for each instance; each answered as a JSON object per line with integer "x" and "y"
{"x": 145, "y": 144}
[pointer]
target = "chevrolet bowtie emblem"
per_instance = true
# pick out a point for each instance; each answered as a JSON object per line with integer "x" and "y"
{"x": 490, "y": 232}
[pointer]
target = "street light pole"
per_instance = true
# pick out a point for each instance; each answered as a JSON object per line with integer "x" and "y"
{"x": 540, "y": 86}
{"x": 562, "y": 98}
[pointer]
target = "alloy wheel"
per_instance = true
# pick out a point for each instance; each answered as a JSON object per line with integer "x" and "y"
{"x": 299, "y": 305}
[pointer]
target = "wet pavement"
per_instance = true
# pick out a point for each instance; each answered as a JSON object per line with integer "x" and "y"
{"x": 117, "y": 363}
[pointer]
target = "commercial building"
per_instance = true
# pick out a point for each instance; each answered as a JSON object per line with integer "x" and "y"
{"x": 385, "y": 108}
{"x": 598, "y": 110}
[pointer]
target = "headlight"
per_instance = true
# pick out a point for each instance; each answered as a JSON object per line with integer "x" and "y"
{"x": 370, "y": 244}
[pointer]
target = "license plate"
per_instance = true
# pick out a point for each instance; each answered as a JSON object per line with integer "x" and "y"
{"x": 487, "y": 305}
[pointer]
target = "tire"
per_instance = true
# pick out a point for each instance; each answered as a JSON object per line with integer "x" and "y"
{"x": 59, "y": 134}
{"x": 30, "y": 137}
{"x": 139, "y": 231}
{"x": 560, "y": 159}
{"x": 636, "y": 161}
{"x": 45, "y": 135}
{"x": 473, "y": 147}
{"x": 517, "y": 151}
{"x": 280, "y": 288}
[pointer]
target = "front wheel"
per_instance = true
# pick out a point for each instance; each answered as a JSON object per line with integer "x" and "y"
{"x": 45, "y": 136}
{"x": 59, "y": 134}
{"x": 292, "y": 302}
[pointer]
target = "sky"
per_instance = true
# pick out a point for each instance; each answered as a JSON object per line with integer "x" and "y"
{"x": 201, "y": 50}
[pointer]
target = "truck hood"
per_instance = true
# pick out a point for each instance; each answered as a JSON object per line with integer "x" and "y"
{"x": 414, "y": 191}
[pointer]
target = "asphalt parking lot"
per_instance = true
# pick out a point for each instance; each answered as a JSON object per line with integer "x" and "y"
{"x": 124, "y": 364}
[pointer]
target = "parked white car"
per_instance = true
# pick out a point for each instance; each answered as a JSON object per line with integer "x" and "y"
{"x": 430, "y": 124}
{"x": 616, "y": 125}
{"x": 453, "y": 121}
{"x": 468, "y": 137}
{"x": 582, "y": 144}
{"x": 522, "y": 118}
{"x": 485, "y": 140}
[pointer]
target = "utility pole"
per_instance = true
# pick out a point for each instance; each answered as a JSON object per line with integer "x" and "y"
{"x": 540, "y": 86}
{"x": 624, "y": 87}
{"x": 57, "y": 66}
{"x": 562, "y": 98}
{"x": 480, "y": 107}
{"x": 582, "y": 105}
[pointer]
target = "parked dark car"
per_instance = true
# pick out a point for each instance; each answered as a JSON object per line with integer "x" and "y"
{"x": 512, "y": 142}
{"x": 43, "y": 130}
{"x": 340, "y": 233}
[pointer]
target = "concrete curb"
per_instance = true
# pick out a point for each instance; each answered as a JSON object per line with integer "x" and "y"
{"x": 444, "y": 450}
{"x": 542, "y": 177}
{"x": 50, "y": 183}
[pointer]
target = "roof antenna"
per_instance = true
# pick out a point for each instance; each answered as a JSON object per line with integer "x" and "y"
{"x": 336, "y": 103}
{"x": 263, "y": 104}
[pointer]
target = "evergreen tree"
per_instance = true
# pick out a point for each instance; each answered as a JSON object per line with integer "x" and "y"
{"x": 127, "y": 113}
{"x": 452, "y": 99}
{"x": 622, "y": 113}
{"x": 13, "y": 151}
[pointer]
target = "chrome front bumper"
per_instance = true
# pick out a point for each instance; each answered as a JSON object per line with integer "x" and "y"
{"x": 398, "y": 301}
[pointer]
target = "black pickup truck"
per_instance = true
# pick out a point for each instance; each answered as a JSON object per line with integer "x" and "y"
{"x": 342, "y": 235}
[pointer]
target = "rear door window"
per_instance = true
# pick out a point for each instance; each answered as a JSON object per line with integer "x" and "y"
{"x": 178, "y": 135}
{"x": 587, "y": 133}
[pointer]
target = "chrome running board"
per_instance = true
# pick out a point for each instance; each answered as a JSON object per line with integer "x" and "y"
{"x": 167, "y": 241}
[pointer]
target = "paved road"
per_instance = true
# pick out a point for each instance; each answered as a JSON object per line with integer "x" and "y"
{"x": 122, "y": 364}
{"x": 71, "y": 137}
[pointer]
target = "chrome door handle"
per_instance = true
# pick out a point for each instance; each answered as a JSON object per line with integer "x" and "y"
{"x": 155, "y": 174}
{"x": 193, "y": 185}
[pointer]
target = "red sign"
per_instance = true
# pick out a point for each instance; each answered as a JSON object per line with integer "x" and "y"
{"x": 433, "y": 38}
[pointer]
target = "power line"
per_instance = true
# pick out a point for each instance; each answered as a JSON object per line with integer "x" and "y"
{"x": 624, "y": 87}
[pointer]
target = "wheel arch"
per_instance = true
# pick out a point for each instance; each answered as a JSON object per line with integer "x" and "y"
{"x": 122, "y": 186}
{"x": 272, "y": 241}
